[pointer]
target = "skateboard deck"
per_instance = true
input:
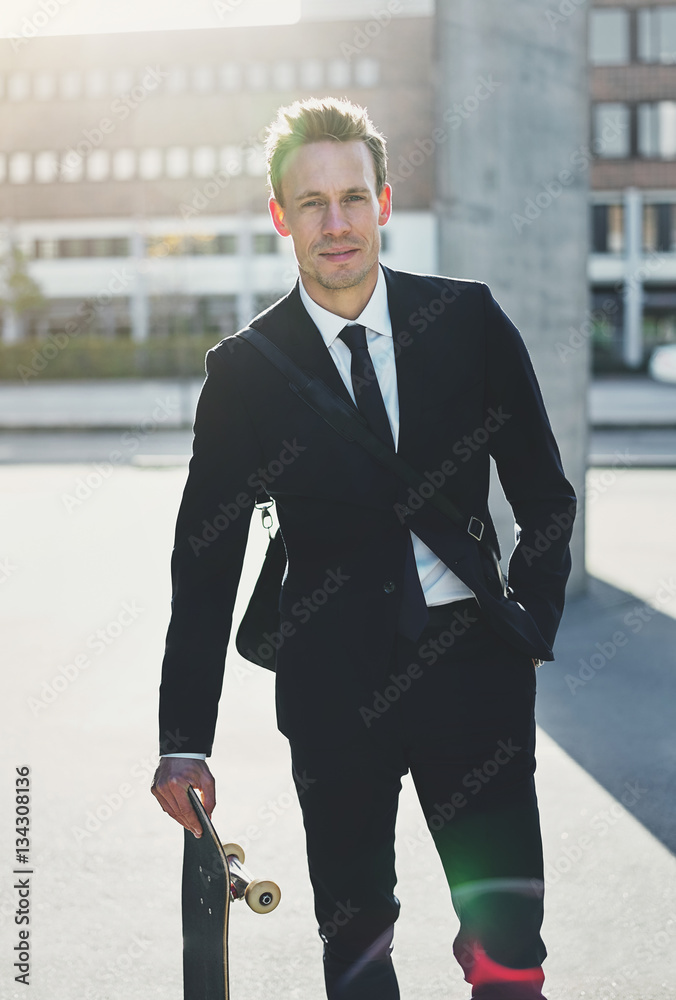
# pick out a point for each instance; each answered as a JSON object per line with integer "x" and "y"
{"x": 213, "y": 875}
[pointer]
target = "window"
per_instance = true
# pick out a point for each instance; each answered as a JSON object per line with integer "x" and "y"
{"x": 123, "y": 80}
{"x": 610, "y": 123}
{"x": 98, "y": 165}
{"x": 366, "y": 72}
{"x": 265, "y": 243}
{"x": 124, "y": 164}
{"x": 203, "y": 161}
{"x": 230, "y": 77}
{"x": 72, "y": 166}
{"x": 658, "y": 227}
{"x": 607, "y": 228}
{"x": 96, "y": 84}
{"x": 339, "y": 73}
{"x": 178, "y": 162}
{"x": 224, "y": 243}
{"x": 46, "y": 167}
{"x": 18, "y": 86}
{"x": 284, "y": 76}
{"x": 203, "y": 79}
{"x": 311, "y": 73}
{"x": 657, "y": 34}
{"x": 106, "y": 246}
{"x": 70, "y": 85}
{"x": 256, "y": 76}
{"x": 231, "y": 160}
{"x": 150, "y": 164}
{"x": 20, "y": 168}
{"x": 177, "y": 81}
{"x": 73, "y": 248}
{"x": 44, "y": 86}
{"x": 256, "y": 165}
{"x": 657, "y": 130}
{"x": 46, "y": 249}
{"x": 609, "y": 37}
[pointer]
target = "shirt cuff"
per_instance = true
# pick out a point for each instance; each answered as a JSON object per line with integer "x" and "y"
{"x": 189, "y": 756}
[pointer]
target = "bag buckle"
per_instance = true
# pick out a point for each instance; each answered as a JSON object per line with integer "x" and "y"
{"x": 266, "y": 516}
{"x": 474, "y": 526}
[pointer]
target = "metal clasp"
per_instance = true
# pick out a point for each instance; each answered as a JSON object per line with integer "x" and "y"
{"x": 266, "y": 516}
{"x": 474, "y": 525}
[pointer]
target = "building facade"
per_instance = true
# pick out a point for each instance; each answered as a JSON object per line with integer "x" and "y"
{"x": 632, "y": 262}
{"x": 132, "y": 174}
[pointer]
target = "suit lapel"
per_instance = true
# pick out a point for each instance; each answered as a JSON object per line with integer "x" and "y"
{"x": 409, "y": 359}
{"x": 289, "y": 325}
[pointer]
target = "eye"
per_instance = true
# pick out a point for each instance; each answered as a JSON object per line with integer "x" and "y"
{"x": 309, "y": 204}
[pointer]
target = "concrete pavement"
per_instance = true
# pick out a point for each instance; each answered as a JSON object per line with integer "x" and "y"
{"x": 86, "y": 596}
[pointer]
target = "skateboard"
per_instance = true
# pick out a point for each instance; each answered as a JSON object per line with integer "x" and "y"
{"x": 213, "y": 876}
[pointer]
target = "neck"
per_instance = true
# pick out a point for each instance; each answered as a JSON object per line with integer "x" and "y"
{"x": 349, "y": 303}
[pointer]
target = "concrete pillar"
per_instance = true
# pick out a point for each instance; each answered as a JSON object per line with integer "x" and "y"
{"x": 138, "y": 300}
{"x": 632, "y": 334}
{"x": 512, "y": 196}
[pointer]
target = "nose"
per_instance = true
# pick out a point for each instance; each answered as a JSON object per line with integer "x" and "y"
{"x": 335, "y": 220}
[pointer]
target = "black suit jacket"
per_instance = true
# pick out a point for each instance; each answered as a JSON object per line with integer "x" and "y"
{"x": 467, "y": 390}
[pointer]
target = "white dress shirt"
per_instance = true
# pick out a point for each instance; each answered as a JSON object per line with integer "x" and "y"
{"x": 440, "y": 584}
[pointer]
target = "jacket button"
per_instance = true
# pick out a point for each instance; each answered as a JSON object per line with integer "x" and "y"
{"x": 389, "y": 586}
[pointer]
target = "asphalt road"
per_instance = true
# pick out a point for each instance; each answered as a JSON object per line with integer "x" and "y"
{"x": 85, "y": 597}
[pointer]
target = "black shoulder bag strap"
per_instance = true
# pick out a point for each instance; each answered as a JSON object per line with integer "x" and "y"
{"x": 351, "y": 425}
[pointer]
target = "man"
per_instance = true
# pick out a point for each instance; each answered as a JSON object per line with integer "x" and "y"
{"x": 402, "y": 650}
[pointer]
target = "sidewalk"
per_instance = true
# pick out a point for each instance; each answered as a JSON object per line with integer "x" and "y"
{"x": 106, "y": 924}
{"x": 120, "y": 404}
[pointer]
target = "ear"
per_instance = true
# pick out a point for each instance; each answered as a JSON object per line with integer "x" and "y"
{"x": 385, "y": 203}
{"x": 278, "y": 214}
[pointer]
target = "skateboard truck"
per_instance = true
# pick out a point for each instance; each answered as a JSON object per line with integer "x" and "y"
{"x": 261, "y": 895}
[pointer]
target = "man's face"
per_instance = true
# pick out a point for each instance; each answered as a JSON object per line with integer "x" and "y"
{"x": 332, "y": 213}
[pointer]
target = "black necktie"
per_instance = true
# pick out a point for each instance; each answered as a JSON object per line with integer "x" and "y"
{"x": 413, "y": 613}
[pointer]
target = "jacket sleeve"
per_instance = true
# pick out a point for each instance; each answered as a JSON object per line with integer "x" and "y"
{"x": 530, "y": 471}
{"x": 206, "y": 562}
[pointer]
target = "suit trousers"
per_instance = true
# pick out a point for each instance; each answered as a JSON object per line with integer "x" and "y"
{"x": 456, "y": 709}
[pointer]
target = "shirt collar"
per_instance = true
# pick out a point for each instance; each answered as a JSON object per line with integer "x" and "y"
{"x": 375, "y": 315}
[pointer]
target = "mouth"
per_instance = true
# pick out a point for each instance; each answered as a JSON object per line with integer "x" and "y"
{"x": 340, "y": 255}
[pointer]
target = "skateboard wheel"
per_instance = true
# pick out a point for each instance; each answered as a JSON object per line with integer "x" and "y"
{"x": 262, "y": 896}
{"x": 230, "y": 849}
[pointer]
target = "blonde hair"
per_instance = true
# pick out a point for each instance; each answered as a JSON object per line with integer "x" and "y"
{"x": 319, "y": 120}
